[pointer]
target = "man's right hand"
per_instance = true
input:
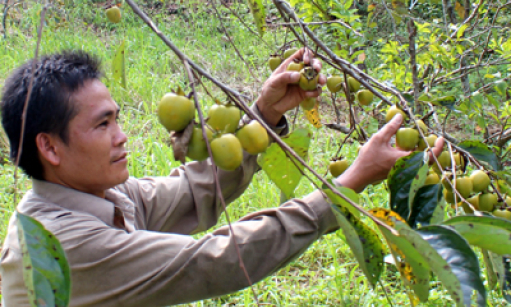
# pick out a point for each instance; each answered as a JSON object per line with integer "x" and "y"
{"x": 377, "y": 157}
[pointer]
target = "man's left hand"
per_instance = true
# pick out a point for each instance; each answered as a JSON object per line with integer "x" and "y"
{"x": 279, "y": 94}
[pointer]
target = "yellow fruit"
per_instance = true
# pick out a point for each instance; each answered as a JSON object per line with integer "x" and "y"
{"x": 353, "y": 84}
{"x": 113, "y": 14}
{"x": 432, "y": 178}
{"x": 365, "y": 97}
{"x": 487, "y": 201}
{"x": 289, "y": 52}
{"x": 334, "y": 83}
{"x": 464, "y": 186}
{"x": 508, "y": 201}
{"x": 407, "y": 138}
{"x": 444, "y": 159}
{"x": 308, "y": 103}
{"x": 447, "y": 180}
{"x": 295, "y": 66}
{"x": 336, "y": 168}
{"x": 449, "y": 197}
{"x": 308, "y": 79}
{"x": 458, "y": 159}
{"x": 224, "y": 119}
{"x": 274, "y": 62}
{"x": 505, "y": 214}
{"x": 197, "y": 148}
{"x": 423, "y": 126}
{"x": 392, "y": 111}
{"x": 175, "y": 112}
{"x": 227, "y": 152}
{"x": 431, "y": 141}
{"x": 474, "y": 201}
{"x": 253, "y": 137}
{"x": 480, "y": 180}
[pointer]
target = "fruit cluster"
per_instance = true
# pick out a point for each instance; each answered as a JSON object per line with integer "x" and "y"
{"x": 363, "y": 96}
{"x": 227, "y": 138}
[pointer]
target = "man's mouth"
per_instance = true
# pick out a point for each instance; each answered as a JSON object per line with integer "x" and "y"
{"x": 120, "y": 158}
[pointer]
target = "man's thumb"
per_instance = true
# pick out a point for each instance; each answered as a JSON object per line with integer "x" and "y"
{"x": 285, "y": 78}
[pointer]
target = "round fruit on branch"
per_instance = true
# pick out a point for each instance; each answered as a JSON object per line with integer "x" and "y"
{"x": 505, "y": 214}
{"x": 365, "y": 97}
{"x": 224, "y": 119}
{"x": 407, "y": 138}
{"x": 308, "y": 103}
{"x": 113, "y": 14}
{"x": 392, "y": 111}
{"x": 480, "y": 180}
{"x": 274, "y": 62}
{"x": 353, "y": 84}
{"x": 431, "y": 139}
{"x": 337, "y": 167}
{"x": 175, "y": 112}
{"x": 464, "y": 186}
{"x": 253, "y": 137}
{"x": 227, "y": 152}
{"x": 308, "y": 79}
{"x": 487, "y": 201}
{"x": 197, "y": 148}
{"x": 334, "y": 83}
{"x": 289, "y": 52}
{"x": 432, "y": 178}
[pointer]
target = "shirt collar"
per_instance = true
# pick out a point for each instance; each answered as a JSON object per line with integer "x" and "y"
{"x": 75, "y": 200}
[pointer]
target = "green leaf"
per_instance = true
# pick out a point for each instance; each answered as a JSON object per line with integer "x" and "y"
{"x": 481, "y": 152}
{"x": 337, "y": 200}
{"x": 501, "y": 88}
{"x": 425, "y": 204}
{"x": 506, "y": 278}
{"x": 491, "y": 233}
{"x": 446, "y": 101}
{"x": 451, "y": 259}
{"x": 404, "y": 179}
{"x": 461, "y": 31}
{"x": 279, "y": 167}
{"x": 45, "y": 269}
{"x": 491, "y": 271}
{"x": 364, "y": 243}
{"x": 118, "y": 66}
{"x": 259, "y": 13}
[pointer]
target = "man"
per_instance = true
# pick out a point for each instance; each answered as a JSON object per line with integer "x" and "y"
{"x": 127, "y": 240}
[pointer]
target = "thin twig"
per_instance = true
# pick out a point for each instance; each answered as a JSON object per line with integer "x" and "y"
{"x": 217, "y": 180}
{"x": 232, "y": 43}
{"x": 317, "y": 23}
{"x": 25, "y": 106}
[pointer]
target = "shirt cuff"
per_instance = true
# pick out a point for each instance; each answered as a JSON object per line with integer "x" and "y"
{"x": 282, "y": 128}
{"x": 327, "y": 222}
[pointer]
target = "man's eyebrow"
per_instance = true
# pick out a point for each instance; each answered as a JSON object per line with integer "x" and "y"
{"x": 108, "y": 113}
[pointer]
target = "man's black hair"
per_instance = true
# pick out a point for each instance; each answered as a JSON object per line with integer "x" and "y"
{"x": 50, "y": 108}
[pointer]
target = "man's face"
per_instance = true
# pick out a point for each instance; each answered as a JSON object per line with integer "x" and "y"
{"x": 94, "y": 158}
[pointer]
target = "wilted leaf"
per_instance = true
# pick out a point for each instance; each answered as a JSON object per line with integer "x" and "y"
{"x": 413, "y": 268}
{"x": 259, "y": 13}
{"x": 482, "y": 152}
{"x": 45, "y": 268}
{"x": 364, "y": 243}
{"x": 281, "y": 169}
{"x": 118, "y": 66}
{"x": 313, "y": 116}
{"x": 458, "y": 7}
{"x": 491, "y": 233}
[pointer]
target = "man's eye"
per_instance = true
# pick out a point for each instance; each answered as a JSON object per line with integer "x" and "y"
{"x": 104, "y": 123}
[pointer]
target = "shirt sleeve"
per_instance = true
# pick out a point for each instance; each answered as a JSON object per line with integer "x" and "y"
{"x": 186, "y": 201}
{"x": 111, "y": 267}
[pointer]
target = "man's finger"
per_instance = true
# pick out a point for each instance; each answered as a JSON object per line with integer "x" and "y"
{"x": 322, "y": 79}
{"x": 437, "y": 149}
{"x": 283, "y": 79}
{"x": 315, "y": 93}
{"x": 390, "y": 128}
{"x": 317, "y": 65}
{"x": 307, "y": 55}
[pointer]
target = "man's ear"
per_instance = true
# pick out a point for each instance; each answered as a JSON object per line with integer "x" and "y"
{"x": 48, "y": 148}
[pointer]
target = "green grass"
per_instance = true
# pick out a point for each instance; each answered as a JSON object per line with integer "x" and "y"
{"x": 327, "y": 273}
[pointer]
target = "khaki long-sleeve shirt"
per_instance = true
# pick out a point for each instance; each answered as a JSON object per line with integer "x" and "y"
{"x": 133, "y": 247}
